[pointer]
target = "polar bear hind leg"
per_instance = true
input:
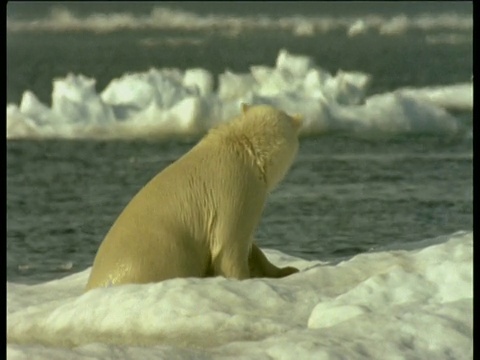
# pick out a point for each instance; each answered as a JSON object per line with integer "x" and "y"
{"x": 260, "y": 266}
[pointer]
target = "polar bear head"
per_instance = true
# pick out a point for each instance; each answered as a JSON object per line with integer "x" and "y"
{"x": 270, "y": 137}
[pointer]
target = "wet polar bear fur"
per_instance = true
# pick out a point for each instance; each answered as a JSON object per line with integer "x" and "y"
{"x": 197, "y": 217}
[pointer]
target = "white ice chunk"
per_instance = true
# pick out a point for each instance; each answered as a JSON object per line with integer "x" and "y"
{"x": 200, "y": 79}
{"x": 150, "y": 103}
{"x": 297, "y": 65}
{"x": 233, "y": 86}
{"x": 75, "y": 99}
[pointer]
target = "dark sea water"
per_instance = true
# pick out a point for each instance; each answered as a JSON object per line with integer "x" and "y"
{"x": 35, "y": 58}
{"x": 343, "y": 195}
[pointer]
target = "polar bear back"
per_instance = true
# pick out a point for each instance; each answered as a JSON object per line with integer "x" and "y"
{"x": 182, "y": 200}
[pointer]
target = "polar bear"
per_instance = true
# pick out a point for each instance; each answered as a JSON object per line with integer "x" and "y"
{"x": 197, "y": 217}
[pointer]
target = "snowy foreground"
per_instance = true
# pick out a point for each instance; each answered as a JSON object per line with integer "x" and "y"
{"x": 407, "y": 302}
{"x": 165, "y": 102}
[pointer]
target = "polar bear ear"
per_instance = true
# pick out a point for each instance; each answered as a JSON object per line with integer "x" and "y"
{"x": 245, "y": 108}
{"x": 297, "y": 120}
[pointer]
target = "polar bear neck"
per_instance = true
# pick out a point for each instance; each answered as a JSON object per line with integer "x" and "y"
{"x": 250, "y": 143}
{"x": 247, "y": 149}
{"x": 262, "y": 137}
{"x": 271, "y": 156}
{"x": 243, "y": 143}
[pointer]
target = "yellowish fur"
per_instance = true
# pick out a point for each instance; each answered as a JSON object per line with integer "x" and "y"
{"x": 197, "y": 217}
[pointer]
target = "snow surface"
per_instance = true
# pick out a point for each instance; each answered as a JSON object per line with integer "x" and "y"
{"x": 163, "y": 102}
{"x": 411, "y": 301}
